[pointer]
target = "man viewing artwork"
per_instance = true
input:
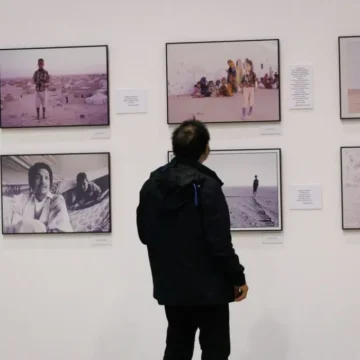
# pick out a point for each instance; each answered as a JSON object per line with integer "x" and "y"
{"x": 183, "y": 219}
{"x": 41, "y": 80}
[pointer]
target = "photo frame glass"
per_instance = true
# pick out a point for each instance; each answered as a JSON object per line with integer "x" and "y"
{"x": 252, "y": 186}
{"x": 223, "y": 81}
{"x": 56, "y": 193}
{"x": 54, "y": 87}
{"x": 349, "y": 71}
{"x": 350, "y": 187}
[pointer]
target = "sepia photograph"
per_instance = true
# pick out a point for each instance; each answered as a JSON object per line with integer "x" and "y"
{"x": 350, "y": 187}
{"x": 223, "y": 81}
{"x": 54, "y": 87}
{"x": 56, "y": 193}
{"x": 252, "y": 186}
{"x": 349, "y": 60}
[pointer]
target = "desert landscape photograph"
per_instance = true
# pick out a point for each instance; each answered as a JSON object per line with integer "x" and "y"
{"x": 350, "y": 187}
{"x": 220, "y": 82}
{"x": 252, "y": 187}
{"x": 349, "y": 56}
{"x": 54, "y": 87}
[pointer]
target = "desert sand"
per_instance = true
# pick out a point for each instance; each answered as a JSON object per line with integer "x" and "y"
{"x": 249, "y": 212}
{"x": 354, "y": 101}
{"x": 72, "y": 100}
{"x": 224, "y": 109}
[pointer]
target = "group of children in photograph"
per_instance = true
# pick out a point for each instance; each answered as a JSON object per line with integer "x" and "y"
{"x": 240, "y": 79}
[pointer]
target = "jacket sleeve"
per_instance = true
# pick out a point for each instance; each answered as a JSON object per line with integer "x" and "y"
{"x": 216, "y": 223}
{"x": 141, "y": 216}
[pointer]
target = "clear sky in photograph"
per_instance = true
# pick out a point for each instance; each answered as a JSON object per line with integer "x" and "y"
{"x": 67, "y": 61}
{"x": 239, "y": 169}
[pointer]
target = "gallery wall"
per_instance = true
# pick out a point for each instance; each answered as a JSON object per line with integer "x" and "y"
{"x": 90, "y": 297}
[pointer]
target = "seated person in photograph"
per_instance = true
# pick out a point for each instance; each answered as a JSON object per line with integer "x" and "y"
{"x": 197, "y": 91}
{"x": 224, "y": 90}
{"x": 213, "y": 89}
{"x": 204, "y": 87}
{"x": 39, "y": 211}
{"x": 87, "y": 192}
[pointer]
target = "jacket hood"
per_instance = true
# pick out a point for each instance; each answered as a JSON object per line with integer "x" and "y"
{"x": 177, "y": 183}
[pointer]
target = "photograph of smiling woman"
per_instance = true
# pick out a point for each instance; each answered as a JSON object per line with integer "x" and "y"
{"x": 39, "y": 210}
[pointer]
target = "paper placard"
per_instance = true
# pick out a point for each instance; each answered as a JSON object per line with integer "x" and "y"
{"x": 305, "y": 197}
{"x": 107, "y": 241}
{"x": 100, "y": 134}
{"x": 129, "y": 101}
{"x": 273, "y": 239}
{"x": 270, "y": 130}
{"x": 301, "y": 87}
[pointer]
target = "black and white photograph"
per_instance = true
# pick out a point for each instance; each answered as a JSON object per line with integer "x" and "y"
{"x": 349, "y": 60}
{"x": 56, "y": 193}
{"x": 223, "y": 81}
{"x": 252, "y": 186}
{"x": 350, "y": 187}
{"x": 54, "y": 87}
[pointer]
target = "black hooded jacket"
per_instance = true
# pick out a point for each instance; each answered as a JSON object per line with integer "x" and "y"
{"x": 183, "y": 219}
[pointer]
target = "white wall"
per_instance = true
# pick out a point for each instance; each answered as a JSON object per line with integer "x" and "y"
{"x": 60, "y": 298}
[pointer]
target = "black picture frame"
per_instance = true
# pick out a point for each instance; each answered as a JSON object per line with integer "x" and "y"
{"x": 267, "y": 215}
{"x": 75, "y": 125}
{"x": 65, "y": 188}
{"x": 196, "y": 114}
{"x": 349, "y": 221}
{"x": 347, "y": 92}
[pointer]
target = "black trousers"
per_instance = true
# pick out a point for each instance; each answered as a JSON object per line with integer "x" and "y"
{"x": 214, "y": 332}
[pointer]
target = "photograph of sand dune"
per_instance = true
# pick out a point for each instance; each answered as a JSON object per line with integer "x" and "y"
{"x": 54, "y": 87}
{"x": 350, "y": 187}
{"x": 252, "y": 186}
{"x": 223, "y": 81}
{"x": 56, "y": 193}
{"x": 349, "y": 60}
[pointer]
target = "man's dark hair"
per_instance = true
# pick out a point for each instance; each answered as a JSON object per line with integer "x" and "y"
{"x": 81, "y": 177}
{"x": 189, "y": 140}
{"x": 40, "y": 60}
{"x": 34, "y": 170}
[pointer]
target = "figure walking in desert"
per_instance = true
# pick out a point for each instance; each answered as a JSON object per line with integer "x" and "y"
{"x": 255, "y": 186}
{"x": 41, "y": 80}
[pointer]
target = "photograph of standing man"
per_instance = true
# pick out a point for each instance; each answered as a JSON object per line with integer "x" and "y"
{"x": 41, "y": 80}
{"x": 184, "y": 221}
{"x": 255, "y": 185}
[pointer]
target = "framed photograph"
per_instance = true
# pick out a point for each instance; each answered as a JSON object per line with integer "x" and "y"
{"x": 223, "y": 81}
{"x": 54, "y": 87}
{"x": 349, "y": 71}
{"x": 252, "y": 186}
{"x": 56, "y": 193}
{"x": 350, "y": 187}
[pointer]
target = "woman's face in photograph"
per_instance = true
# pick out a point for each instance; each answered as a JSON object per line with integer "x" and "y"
{"x": 42, "y": 182}
{"x": 247, "y": 67}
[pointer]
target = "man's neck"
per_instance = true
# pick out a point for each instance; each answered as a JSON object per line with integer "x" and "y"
{"x": 40, "y": 197}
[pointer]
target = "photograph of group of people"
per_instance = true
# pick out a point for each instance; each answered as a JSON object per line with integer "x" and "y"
{"x": 230, "y": 81}
{"x": 56, "y": 193}
{"x": 54, "y": 87}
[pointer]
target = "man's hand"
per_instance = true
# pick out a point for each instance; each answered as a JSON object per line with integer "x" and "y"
{"x": 241, "y": 292}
